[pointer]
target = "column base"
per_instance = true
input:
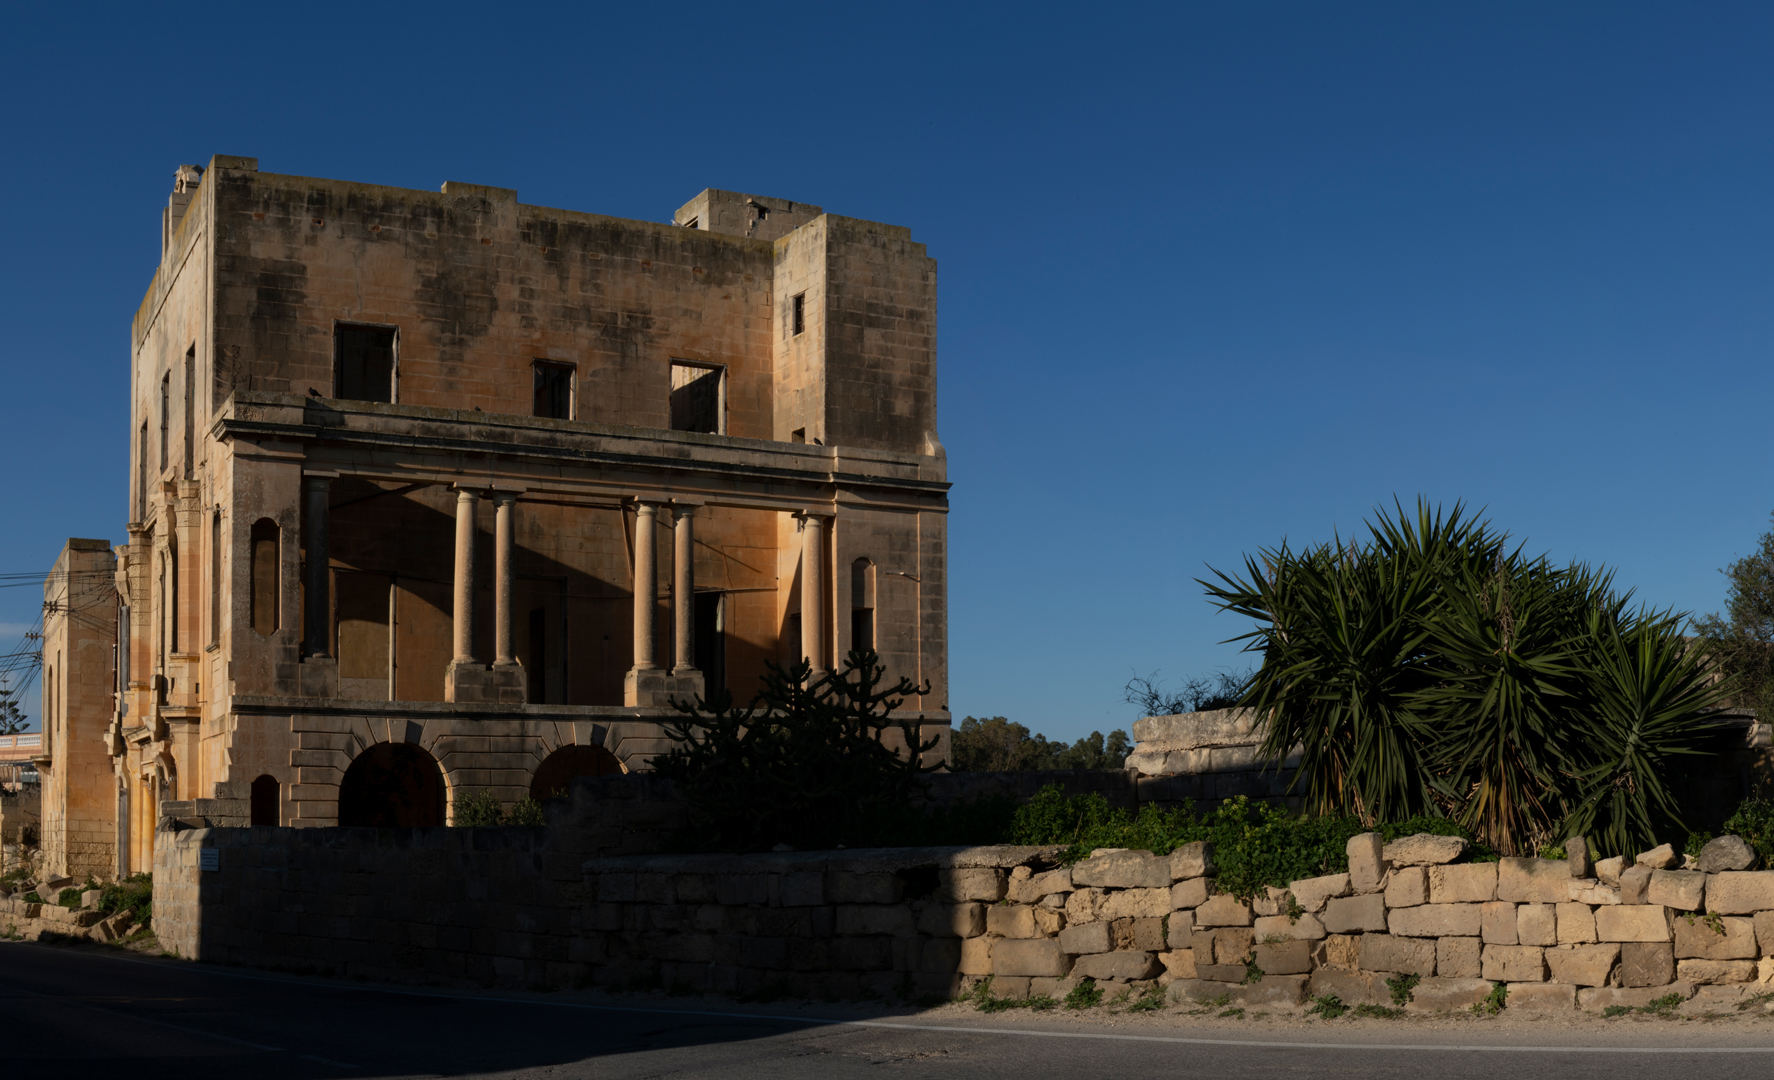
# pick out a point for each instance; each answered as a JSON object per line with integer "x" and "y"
{"x": 472, "y": 682}
{"x": 318, "y": 676}
{"x": 655, "y": 687}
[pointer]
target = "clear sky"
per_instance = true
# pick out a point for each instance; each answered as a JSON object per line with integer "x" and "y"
{"x": 1211, "y": 275}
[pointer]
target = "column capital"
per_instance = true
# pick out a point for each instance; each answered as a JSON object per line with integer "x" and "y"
{"x": 318, "y": 480}
{"x": 504, "y": 498}
{"x": 654, "y": 501}
{"x": 824, "y": 513}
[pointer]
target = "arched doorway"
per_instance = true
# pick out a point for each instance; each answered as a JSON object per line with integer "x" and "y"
{"x": 266, "y": 800}
{"x": 555, "y": 776}
{"x": 392, "y": 785}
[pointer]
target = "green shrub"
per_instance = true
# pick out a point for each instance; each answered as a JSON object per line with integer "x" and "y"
{"x": 1086, "y": 994}
{"x": 69, "y": 898}
{"x": 1329, "y": 1006}
{"x": 1401, "y": 987}
{"x": 134, "y": 894}
{"x": 803, "y": 765}
{"x": 1432, "y": 666}
{"x": 33, "y": 898}
{"x": 1754, "y": 821}
{"x": 527, "y": 812}
{"x": 477, "y": 809}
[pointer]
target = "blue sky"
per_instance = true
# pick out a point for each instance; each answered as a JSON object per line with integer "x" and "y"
{"x": 1211, "y": 275}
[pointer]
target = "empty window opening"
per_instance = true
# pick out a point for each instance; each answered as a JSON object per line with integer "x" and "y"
{"x": 554, "y": 390}
{"x": 536, "y": 667}
{"x": 698, "y": 397}
{"x": 363, "y": 363}
{"x": 711, "y": 641}
{"x": 554, "y": 777}
{"x": 190, "y": 412}
{"x": 165, "y": 420}
{"x": 693, "y": 223}
{"x": 798, "y": 314}
{"x": 862, "y": 606}
{"x": 264, "y": 588}
{"x": 266, "y": 796}
{"x": 142, "y": 474}
{"x": 215, "y": 578}
{"x": 392, "y": 785}
{"x": 798, "y": 435}
{"x": 175, "y": 607}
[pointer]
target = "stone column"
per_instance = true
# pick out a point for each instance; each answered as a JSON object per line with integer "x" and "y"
{"x": 683, "y": 593}
{"x": 504, "y": 504}
{"x": 466, "y": 503}
{"x": 646, "y": 586}
{"x": 813, "y": 592}
{"x": 315, "y": 636}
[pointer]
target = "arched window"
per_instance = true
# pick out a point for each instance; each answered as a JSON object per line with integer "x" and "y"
{"x": 265, "y": 588}
{"x": 266, "y": 798}
{"x": 862, "y": 605}
{"x": 215, "y": 578}
{"x": 392, "y": 785}
{"x": 554, "y": 777}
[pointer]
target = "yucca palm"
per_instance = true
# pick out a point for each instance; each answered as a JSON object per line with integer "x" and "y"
{"x": 1431, "y": 668}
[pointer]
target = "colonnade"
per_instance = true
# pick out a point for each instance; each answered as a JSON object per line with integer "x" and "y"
{"x": 317, "y": 609}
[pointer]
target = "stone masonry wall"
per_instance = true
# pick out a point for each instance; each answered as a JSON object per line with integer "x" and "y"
{"x": 1559, "y": 934}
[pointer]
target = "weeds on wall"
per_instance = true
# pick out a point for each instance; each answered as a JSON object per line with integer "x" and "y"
{"x": 804, "y": 765}
{"x": 1432, "y": 668}
{"x": 482, "y": 809}
{"x": 134, "y": 894}
{"x": 1255, "y": 844}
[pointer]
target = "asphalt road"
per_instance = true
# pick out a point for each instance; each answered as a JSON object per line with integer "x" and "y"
{"x": 76, "y": 1010}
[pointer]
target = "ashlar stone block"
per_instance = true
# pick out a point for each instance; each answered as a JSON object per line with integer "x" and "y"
{"x": 1696, "y": 938}
{"x": 1038, "y": 956}
{"x": 1498, "y": 923}
{"x": 1448, "y": 993}
{"x": 1542, "y": 997}
{"x": 1187, "y": 895}
{"x": 1011, "y": 921}
{"x": 1646, "y": 963}
{"x": 1458, "y": 957}
{"x": 1222, "y": 909}
{"x": 1153, "y": 903}
{"x": 1536, "y": 924}
{"x": 1126, "y": 869}
{"x": 1424, "y": 849}
{"x": 1463, "y": 883}
{"x": 1684, "y": 890}
{"x": 1436, "y": 920}
{"x": 1355, "y": 914}
{"x": 1632, "y": 922}
{"x": 1583, "y": 965}
{"x": 1533, "y": 881}
{"x": 1192, "y": 860}
{"x": 1576, "y": 924}
{"x": 1286, "y": 958}
{"x": 1514, "y": 963}
{"x": 1740, "y": 892}
{"x": 1091, "y": 937}
{"x": 1305, "y": 928}
{"x": 1039, "y": 886}
{"x": 1367, "y": 862}
{"x": 1701, "y": 972}
{"x": 1407, "y": 886}
{"x": 1313, "y": 893}
{"x": 1399, "y": 955}
{"x": 1608, "y": 871}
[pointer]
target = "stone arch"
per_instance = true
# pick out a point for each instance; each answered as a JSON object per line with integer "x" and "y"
{"x": 267, "y": 799}
{"x": 559, "y": 769}
{"x": 396, "y": 785}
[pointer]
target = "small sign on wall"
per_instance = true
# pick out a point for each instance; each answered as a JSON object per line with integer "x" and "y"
{"x": 209, "y": 858}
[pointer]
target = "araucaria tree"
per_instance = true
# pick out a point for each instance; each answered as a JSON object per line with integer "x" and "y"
{"x": 805, "y": 764}
{"x": 1433, "y": 668}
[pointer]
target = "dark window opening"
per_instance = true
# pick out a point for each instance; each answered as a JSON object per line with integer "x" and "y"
{"x": 698, "y": 396}
{"x": 536, "y": 668}
{"x": 363, "y": 366}
{"x": 392, "y": 785}
{"x": 798, "y": 435}
{"x": 215, "y": 578}
{"x": 190, "y": 412}
{"x": 693, "y": 223}
{"x": 554, "y": 777}
{"x": 142, "y": 474}
{"x": 554, "y": 390}
{"x": 266, "y": 792}
{"x": 264, "y": 587}
{"x": 175, "y": 607}
{"x": 165, "y": 420}
{"x": 862, "y": 605}
{"x": 799, "y": 314}
{"x": 711, "y": 641}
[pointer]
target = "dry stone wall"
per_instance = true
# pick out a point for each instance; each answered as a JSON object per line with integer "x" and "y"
{"x": 1559, "y": 934}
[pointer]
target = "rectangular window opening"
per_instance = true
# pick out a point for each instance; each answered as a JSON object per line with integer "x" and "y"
{"x": 165, "y": 420}
{"x": 536, "y": 667}
{"x": 363, "y": 363}
{"x": 798, "y": 435}
{"x": 553, "y": 390}
{"x": 191, "y": 413}
{"x": 698, "y": 397}
{"x": 711, "y": 641}
{"x": 798, "y": 317}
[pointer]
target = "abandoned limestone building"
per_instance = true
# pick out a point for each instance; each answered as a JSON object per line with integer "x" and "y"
{"x": 439, "y": 492}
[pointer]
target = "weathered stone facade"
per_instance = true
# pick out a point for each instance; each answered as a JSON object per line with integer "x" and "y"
{"x": 403, "y": 461}
{"x": 78, "y": 786}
